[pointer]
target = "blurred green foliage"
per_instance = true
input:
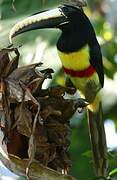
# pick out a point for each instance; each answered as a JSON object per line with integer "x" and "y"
{"x": 13, "y": 10}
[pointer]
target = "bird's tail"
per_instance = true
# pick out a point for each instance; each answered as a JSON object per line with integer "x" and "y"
{"x": 98, "y": 140}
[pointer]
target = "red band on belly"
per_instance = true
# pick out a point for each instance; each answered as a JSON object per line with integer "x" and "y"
{"x": 84, "y": 73}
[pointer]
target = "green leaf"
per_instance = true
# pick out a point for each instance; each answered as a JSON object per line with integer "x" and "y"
{"x": 113, "y": 172}
{"x": 87, "y": 154}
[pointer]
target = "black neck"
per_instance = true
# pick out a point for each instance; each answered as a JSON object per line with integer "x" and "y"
{"x": 74, "y": 37}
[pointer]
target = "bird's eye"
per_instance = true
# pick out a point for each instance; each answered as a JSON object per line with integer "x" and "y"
{"x": 65, "y": 9}
{"x": 68, "y": 9}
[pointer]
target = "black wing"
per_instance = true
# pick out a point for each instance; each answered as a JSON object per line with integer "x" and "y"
{"x": 96, "y": 61}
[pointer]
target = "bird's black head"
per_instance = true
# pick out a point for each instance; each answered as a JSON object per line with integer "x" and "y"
{"x": 78, "y": 32}
{"x": 74, "y": 15}
{"x": 71, "y": 12}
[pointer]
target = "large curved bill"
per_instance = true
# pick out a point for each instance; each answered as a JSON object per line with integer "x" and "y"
{"x": 46, "y": 19}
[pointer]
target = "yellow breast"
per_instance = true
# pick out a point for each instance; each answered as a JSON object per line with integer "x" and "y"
{"x": 78, "y": 60}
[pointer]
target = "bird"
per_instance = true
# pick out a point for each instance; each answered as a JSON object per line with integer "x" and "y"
{"x": 81, "y": 58}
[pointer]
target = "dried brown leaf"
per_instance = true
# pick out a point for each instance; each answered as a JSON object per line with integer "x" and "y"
{"x": 57, "y": 133}
{"x": 31, "y": 149}
{"x": 6, "y": 67}
{"x": 32, "y": 145}
{"x": 31, "y": 97}
{"x": 14, "y": 90}
{"x": 56, "y": 91}
{"x": 31, "y": 152}
{"x": 48, "y": 110}
{"x": 25, "y": 74}
{"x": 23, "y": 120}
{"x": 36, "y": 84}
{"x": 58, "y": 103}
{"x": 42, "y": 146}
{"x": 5, "y": 103}
{"x": 11, "y": 66}
{"x": 2, "y": 93}
{"x": 4, "y": 60}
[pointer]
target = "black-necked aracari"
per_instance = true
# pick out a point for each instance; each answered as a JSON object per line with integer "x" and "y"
{"x": 81, "y": 58}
